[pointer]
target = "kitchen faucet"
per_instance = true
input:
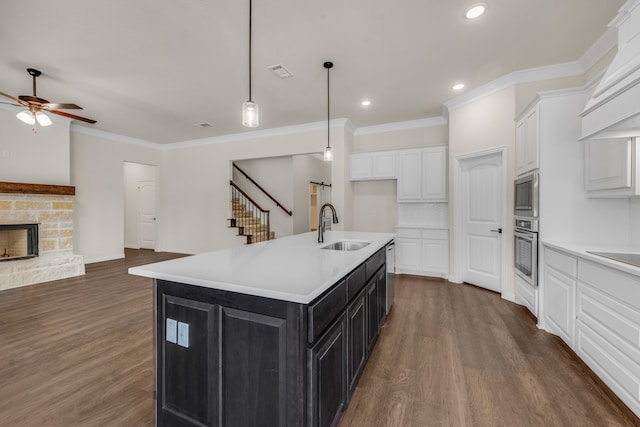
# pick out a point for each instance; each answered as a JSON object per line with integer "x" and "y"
{"x": 321, "y": 222}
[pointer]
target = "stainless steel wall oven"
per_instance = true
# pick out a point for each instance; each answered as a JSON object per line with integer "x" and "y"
{"x": 526, "y": 249}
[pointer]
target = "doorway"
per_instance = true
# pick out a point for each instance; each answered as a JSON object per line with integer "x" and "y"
{"x": 319, "y": 194}
{"x": 479, "y": 218}
{"x": 140, "y": 206}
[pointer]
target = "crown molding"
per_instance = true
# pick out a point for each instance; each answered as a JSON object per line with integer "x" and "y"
{"x": 263, "y": 133}
{"x": 410, "y": 124}
{"x": 84, "y": 130}
{"x": 607, "y": 41}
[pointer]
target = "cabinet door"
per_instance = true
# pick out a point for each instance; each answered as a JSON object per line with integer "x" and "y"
{"x": 435, "y": 256}
{"x": 434, "y": 174}
{"x": 521, "y": 163}
{"x": 608, "y": 164}
{"x": 371, "y": 302}
{"x": 409, "y": 176}
{"x": 361, "y": 166}
{"x": 381, "y": 284}
{"x": 559, "y": 304}
{"x": 408, "y": 255}
{"x": 532, "y": 139}
{"x": 357, "y": 339}
{"x": 328, "y": 376}
{"x": 384, "y": 165}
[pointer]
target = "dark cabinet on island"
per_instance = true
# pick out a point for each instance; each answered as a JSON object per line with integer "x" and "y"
{"x": 226, "y": 358}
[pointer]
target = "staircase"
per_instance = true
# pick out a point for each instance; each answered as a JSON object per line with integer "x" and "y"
{"x": 249, "y": 218}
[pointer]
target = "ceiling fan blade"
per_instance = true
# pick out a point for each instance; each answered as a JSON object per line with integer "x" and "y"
{"x": 10, "y": 103}
{"x": 19, "y": 101}
{"x": 52, "y": 106}
{"x": 71, "y": 116}
{"x": 33, "y": 99}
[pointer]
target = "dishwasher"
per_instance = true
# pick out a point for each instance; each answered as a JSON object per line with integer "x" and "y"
{"x": 391, "y": 273}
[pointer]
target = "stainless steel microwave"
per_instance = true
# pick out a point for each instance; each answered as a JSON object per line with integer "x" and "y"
{"x": 526, "y": 196}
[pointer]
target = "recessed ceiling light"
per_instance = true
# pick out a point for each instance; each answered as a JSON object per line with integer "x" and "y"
{"x": 365, "y": 103}
{"x": 476, "y": 10}
{"x": 203, "y": 125}
{"x": 458, "y": 86}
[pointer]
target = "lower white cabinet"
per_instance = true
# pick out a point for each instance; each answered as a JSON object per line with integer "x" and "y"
{"x": 559, "y": 294}
{"x": 595, "y": 308}
{"x": 526, "y": 295}
{"x": 608, "y": 328}
{"x": 422, "y": 251}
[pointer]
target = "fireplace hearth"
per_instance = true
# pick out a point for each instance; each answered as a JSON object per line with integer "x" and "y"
{"x": 18, "y": 241}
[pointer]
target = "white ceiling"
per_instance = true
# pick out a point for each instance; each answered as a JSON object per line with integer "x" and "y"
{"x": 153, "y": 69}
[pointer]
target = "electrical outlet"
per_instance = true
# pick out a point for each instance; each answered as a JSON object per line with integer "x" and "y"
{"x": 172, "y": 330}
{"x": 183, "y": 334}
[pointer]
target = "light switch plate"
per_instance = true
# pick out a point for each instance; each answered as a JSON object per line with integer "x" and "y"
{"x": 172, "y": 330}
{"x": 183, "y": 334}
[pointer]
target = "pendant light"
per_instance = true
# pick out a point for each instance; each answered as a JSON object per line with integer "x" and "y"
{"x": 328, "y": 153}
{"x": 250, "y": 108}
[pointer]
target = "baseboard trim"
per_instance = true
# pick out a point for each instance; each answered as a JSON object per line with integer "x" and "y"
{"x": 103, "y": 258}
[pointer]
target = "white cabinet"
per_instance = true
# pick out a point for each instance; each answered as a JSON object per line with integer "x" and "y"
{"x": 526, "y": 295}
{"x": 608, "y": 328}
{"x": 528, "y": 140}
{"x": 559, "y": 294}
{"x": 422, "y": 175}
{"x": 422, "y": 251}
{"x": 611, "y": 167}
{"x": 373, "y": 165}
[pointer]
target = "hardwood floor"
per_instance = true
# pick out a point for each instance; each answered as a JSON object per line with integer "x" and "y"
{"x": 78, "y": 352}
{"x": 458, "y": 355}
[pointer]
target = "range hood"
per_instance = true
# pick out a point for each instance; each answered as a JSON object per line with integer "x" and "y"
{"x": 614, "y": 108}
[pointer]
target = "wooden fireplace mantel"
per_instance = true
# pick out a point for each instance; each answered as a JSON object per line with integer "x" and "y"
{"x": 20, "y": 188}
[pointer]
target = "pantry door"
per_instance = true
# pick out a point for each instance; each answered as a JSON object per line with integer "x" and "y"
{"x": 480, "y": 208}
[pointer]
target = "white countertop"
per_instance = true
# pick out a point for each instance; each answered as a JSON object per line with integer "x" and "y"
{"x": 293, "y": 268}
{"x": 582, "y": 250}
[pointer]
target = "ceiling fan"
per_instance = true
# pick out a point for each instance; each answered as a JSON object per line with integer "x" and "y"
{"x": 35, "y": 106}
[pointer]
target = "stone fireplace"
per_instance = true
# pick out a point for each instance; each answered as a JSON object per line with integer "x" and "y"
{"x": 38, "y": 219}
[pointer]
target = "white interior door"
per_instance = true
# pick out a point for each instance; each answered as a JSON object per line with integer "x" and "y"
{"x": 482, "y": 206}
{"x": 147, "y": 214}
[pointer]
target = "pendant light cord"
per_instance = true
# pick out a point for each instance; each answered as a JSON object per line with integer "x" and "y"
{"x": 328, "y": 65}
{"x": 250, "y": 7}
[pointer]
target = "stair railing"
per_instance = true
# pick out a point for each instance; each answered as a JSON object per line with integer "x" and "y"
{"x": 287, "y": 211}
{"x": 257, "y": 212}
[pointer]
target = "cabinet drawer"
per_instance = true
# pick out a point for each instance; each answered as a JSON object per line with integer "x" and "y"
{"x": 563, "y": 263}
{"x": 622, "y": 286}
{"x": 412, "y": 233}
{"x": 609, "y": 316}
{"x": 618, "y": 371}
{"x": 356, "y": 281}
{"x": 435, "y": 234}
{"x": 325, "y": 309}
{"x": 374, "y": 263}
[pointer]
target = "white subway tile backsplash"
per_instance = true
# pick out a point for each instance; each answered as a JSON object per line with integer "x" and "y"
{"x": 423, "y": 214}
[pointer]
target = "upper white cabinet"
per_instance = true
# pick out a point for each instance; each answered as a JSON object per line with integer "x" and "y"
{"x": 422, "y": 174}
{"x": 528, "y": 140}
{"x": 611, "y": 167}
{"x": 373, "y": 165}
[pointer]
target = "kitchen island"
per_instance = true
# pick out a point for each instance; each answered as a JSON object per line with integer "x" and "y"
{"x": 270, "y": 334}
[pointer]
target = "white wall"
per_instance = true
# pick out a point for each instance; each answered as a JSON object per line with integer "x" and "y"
{"x": 196, "y": 187}
{"x": 40, "y": 157}
{"x": 133, "y": 174}
{"x": 97, "y": 171}
{"x": 307, "y": 168}
{"x": 275, "y": 175}
{"x": 480, "y": 125}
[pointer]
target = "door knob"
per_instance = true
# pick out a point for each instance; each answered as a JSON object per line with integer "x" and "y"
{"x": 499, "y": 230}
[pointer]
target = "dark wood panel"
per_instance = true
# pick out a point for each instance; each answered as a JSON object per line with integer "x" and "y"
{"x": 328, "y": 376}
{"x": 253, "y": 369}
{"x": 371, "y": 302}
{"x": 324, "y": 310}
{"x": 357, "y": 339}
{"x": 374, "y": 263}
{"x": 356, "y": 281}
{"x": 21, "y": 188}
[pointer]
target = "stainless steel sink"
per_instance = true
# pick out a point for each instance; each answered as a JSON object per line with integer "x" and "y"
{"x": 346, "y": 245}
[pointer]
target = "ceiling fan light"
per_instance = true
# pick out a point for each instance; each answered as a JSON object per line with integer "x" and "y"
{"x": 43, "y": 119}
{"x": 27, "y": 117}
{"x": 250, "y": 114}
